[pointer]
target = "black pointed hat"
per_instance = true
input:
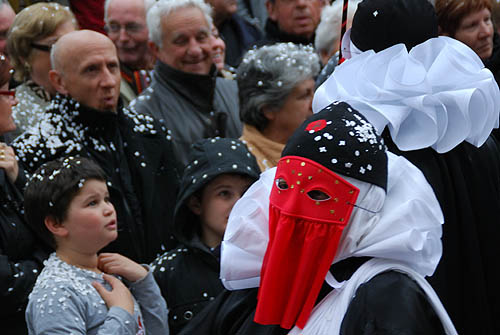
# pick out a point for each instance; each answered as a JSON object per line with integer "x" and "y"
{"x": 342, "y": 140}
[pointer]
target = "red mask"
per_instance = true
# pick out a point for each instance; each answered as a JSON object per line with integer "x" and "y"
{"x": 309, "y": 207}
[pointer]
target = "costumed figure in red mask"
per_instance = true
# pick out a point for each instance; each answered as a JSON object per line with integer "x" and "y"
{"x": 341, "y": 210}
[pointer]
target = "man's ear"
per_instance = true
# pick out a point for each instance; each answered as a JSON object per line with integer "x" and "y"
{"x": 194, "y": 205}
{"x": 155, "y": 50}
{"x": 55, "y": 227}
{"x": 270, "y": 10}
{"x": 57, "y": 81}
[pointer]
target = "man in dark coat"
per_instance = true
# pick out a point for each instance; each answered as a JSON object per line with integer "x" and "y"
{"x": 186, "y": 96}
{"x": 238, "y": 33}
{"x": 85, "y": 119}
{"x": 292, "y": 21}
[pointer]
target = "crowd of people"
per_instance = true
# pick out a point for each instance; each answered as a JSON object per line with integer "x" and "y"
{"x": 240, "y": 167}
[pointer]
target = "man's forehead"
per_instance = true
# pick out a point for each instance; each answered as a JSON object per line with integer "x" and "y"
{"x": 97, "y": 57}
{"x": 6, "y": 10}
{"x": 174, "y": 33}
{"x": 82, "y": 54}
{"x": 196, "y": 23}
{"x": 119, "y": 8}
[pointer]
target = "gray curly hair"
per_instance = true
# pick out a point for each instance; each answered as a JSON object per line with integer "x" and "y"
{"x": 267, "y": 75}
{"x": 163, "y": 8}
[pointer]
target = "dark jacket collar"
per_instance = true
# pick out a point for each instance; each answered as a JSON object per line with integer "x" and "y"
{"x": 95, "y": 120}
{"x": 197, "y": 88}
{"x": 341, "y": 271}
{"x": 273, "y": 33}
{"x": 493, "y": 63}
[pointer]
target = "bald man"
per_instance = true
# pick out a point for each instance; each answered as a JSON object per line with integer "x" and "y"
{"x": 85, "y": 119}
{"x": 86, "y": 67}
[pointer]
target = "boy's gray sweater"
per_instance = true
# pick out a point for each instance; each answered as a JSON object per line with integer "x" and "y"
{"x": 63, "y": 301}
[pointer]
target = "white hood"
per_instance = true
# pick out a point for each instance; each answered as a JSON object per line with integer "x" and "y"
{"x": 407, "y": 228}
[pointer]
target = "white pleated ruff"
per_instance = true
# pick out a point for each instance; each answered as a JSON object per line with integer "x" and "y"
{"x": 437, "y": 95}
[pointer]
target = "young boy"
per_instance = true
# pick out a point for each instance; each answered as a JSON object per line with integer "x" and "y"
{"x": 67, "y": 204}
{"x": 220, "y": 172}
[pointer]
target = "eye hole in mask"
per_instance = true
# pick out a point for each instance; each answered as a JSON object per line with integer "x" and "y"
{"x": 281, "y": 184}
{"x": 318, "y": 195}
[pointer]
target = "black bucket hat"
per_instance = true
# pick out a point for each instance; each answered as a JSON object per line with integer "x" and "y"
{"x": 208, "y": 159}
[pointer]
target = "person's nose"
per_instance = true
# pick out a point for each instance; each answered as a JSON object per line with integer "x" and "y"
{"x": 14, "y": 101}
{"x": 123, "y": 35}
{"x": 485, "y": 29}
{"x": 108, "y": 209}
{"x": 194, "y": 48}
{"x": 108, "y": 78}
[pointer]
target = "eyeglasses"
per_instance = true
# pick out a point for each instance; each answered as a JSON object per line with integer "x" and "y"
{"x": 41, "y": 47}
{"x": 10, "y": 94}
{"x": 131, "y": 28}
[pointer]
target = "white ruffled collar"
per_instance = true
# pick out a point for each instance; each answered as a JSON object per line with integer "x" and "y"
{"x": 437, "y": 95}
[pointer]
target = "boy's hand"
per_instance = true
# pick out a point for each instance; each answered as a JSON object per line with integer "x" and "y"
{"x": 122, "y": 266}
{"x": 119, "y": 295}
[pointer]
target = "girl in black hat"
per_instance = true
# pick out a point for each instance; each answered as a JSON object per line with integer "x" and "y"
{"x": 220, "y": 171}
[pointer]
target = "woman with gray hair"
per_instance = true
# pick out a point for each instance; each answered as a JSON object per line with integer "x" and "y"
{"x": 276, "y": 87}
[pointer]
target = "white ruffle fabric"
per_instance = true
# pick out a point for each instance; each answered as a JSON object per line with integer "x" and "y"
{"x": 437, "y": 95}
{"x": 247, "y": 234}
{"x": 404, "y": 226}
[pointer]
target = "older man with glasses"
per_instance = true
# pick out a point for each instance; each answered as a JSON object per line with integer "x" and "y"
{"x": 125, "y": 24}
